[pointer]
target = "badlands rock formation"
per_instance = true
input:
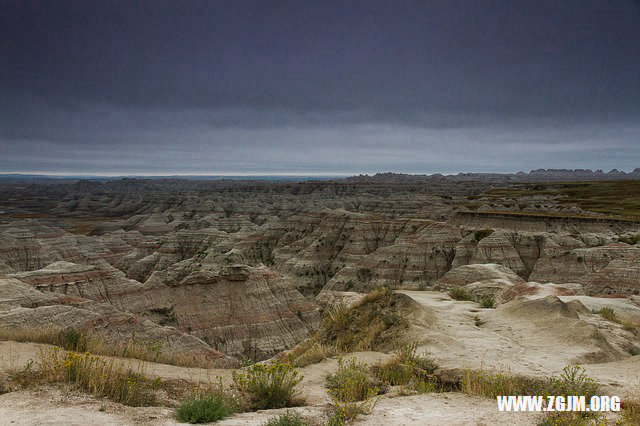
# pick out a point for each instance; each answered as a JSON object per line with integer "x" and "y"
{"x": 244, "y": 267}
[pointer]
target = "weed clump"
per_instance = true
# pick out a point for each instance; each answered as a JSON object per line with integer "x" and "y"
{"x": 351, "y": 382}
{"x": 572, "y": 381}
{"x": 289, "y": 418}
{"x": 209, "y": 406}
{"x": 488, "y": 302}
{"x": 608, "y": 313}
{"x": 269, "y": 385}
{"x": 459, "y": 293}
{"x": 352, "y": 391}
{"x": 406, "y": 367}
{"x": 72, "y": 340}
{"x": 478, "y": 321}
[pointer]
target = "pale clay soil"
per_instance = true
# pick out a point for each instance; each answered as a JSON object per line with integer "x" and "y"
{"x": 538, "y": 346}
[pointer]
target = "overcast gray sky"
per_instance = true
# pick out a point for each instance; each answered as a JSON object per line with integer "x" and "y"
{"x": 323, "y": 87}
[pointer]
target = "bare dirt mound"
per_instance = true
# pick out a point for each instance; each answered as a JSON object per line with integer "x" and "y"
{"x": 550, "y": 321}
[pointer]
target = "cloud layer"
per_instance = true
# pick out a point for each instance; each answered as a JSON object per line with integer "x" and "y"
{"x": 234, "y": 87}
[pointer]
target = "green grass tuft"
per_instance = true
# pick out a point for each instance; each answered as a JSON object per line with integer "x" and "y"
{"x": 207, "y": 407}
{"x": 488, "y": 302}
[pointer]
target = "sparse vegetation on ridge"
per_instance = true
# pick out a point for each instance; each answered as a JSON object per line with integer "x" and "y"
{"x": 376, "y": 322}
{"x": 610, "y": 315}
{"x": 121, "y": 382}
{"x": 617, "y": 200}
{"x": 76, "y": 340}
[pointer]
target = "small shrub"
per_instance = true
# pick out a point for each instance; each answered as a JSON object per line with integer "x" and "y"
{"x": 459, "y": 293}
{"x": 352, "y": 391}
{"x": 72, "y": 340}
{"x": 629, "y": 325}
{"x": 574, "y": 381}
{"x": 488, "y": 302}
{"x": 607, "y": 313}
{"x": 351, "y": 382}
{"x": 206, "y": 407}
{"x": 269, "y": 385}
{"x": 289, "y": 418}
{"x": 480, "y": 234}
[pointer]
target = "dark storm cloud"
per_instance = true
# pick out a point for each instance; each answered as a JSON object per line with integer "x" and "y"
{"x": 300, "y": 86}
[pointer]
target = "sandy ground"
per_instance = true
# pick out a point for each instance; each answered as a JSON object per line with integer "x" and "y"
{"x": 530, "y": 346}
{"x": 445, "y": 328}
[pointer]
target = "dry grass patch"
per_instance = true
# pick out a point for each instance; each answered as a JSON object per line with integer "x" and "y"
{"x": 376, "y": 322}
{"x": 608, "y": 314}
{"x": 110, "y": 378}
{"x": 572, "y": 381}
{"x": 517, "y": 290}
{"x": 630, "y": 411}
{"x": 310, "y": 352}
{"x": 76, "y": 340}
{"x": 407, "y": 367}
